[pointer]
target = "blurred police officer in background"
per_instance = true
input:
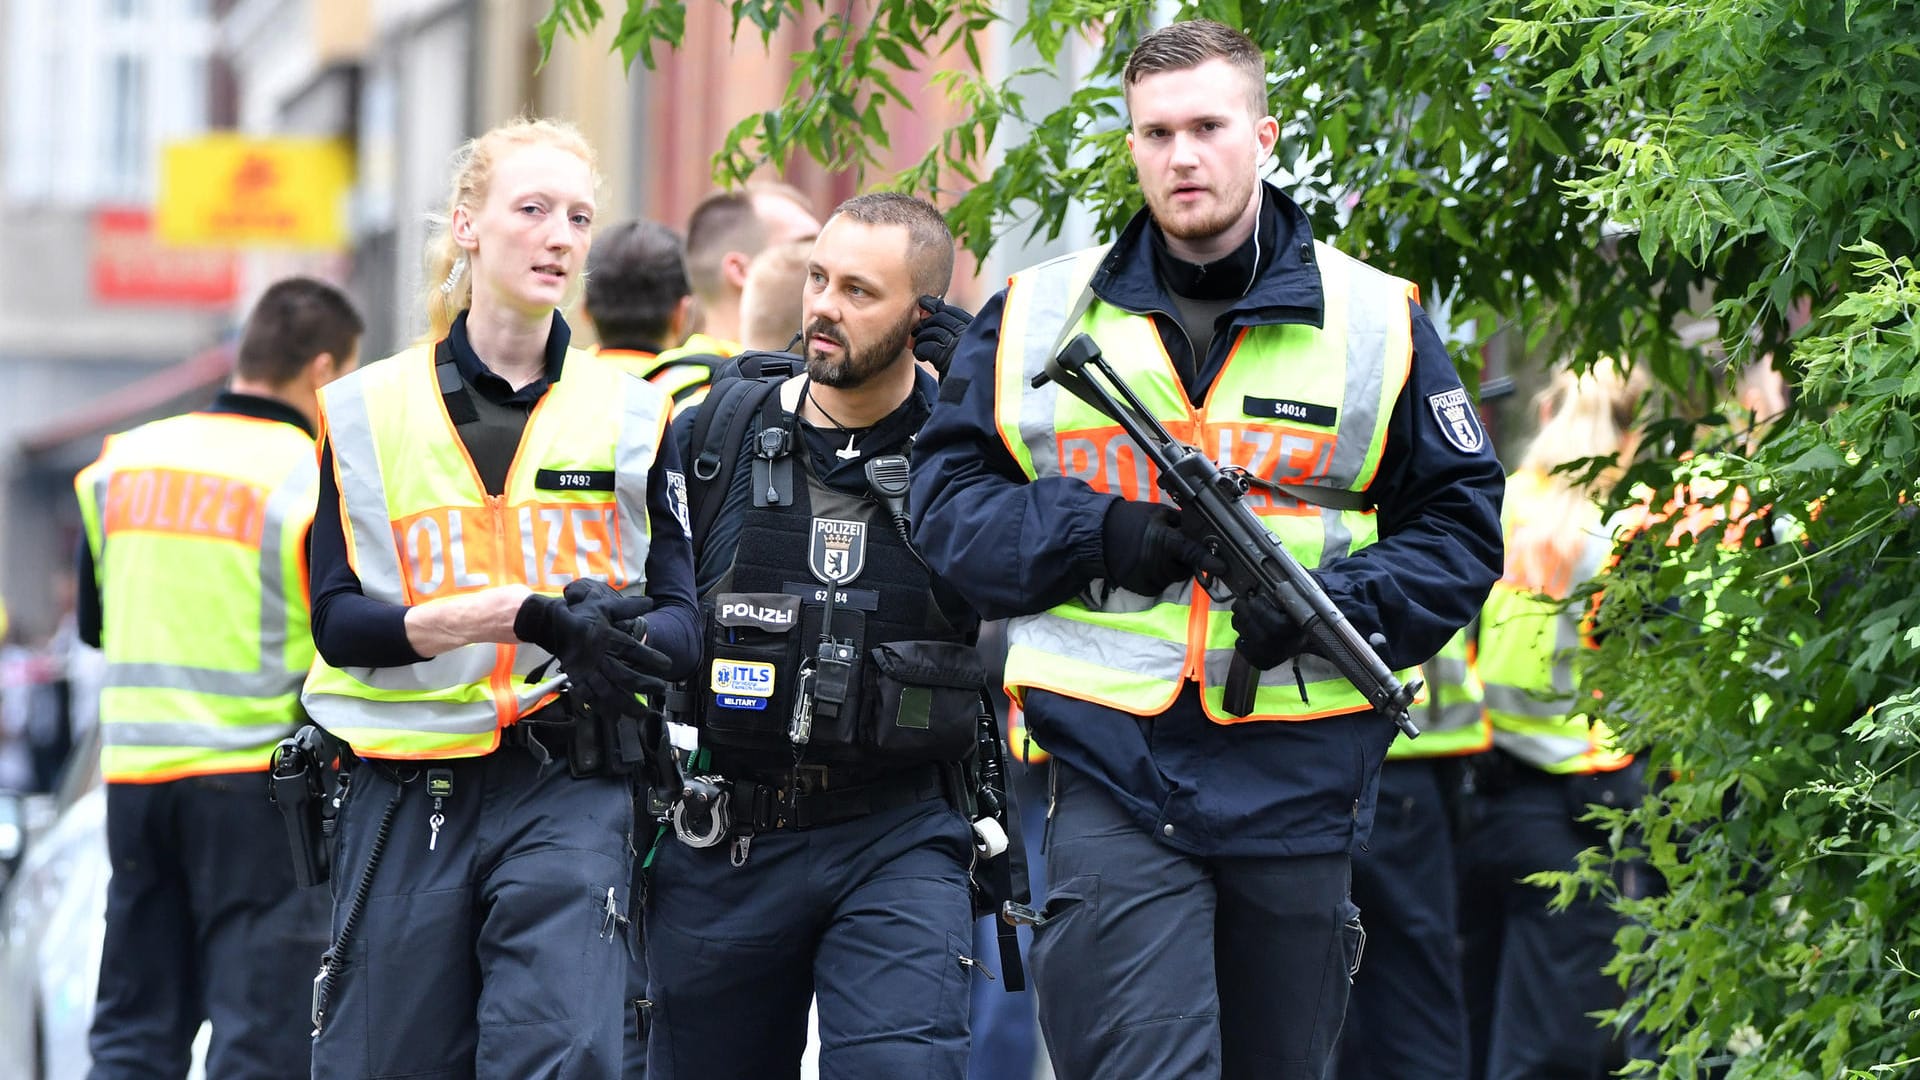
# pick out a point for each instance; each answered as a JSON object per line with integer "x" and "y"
{"x": 483, "y": 496}
{"x": 724, "y": 234}
{"x": 638, "y": 300}
{"x": 1533, "y": 975}
{"x": 770, "y": 304}
{"x": 191, "y": 581}
{"x": 1407, "y": 1016}
{"x": 1198, "y": 921}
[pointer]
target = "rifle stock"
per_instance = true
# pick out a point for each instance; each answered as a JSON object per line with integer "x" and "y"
{"x": 1257, "y": 565}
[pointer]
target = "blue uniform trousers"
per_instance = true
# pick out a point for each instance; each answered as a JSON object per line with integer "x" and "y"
{"x": 203, "y": 923}
{"x": 1157, "y": 963}
{"x": 499, "y": 948}
{"x": 1407, "y": 1018}
{"x": 1533, "y": 976}
{"x": 870, "y": 917}
{"x": 1006, "y": 1027}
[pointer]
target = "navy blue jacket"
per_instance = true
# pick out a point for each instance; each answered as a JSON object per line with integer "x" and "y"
{"x": 1015, "y": 547}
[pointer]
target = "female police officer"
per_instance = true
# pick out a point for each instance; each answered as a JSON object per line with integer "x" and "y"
{"x": 468, "y": 483}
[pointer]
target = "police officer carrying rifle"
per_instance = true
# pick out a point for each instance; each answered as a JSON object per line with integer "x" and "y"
{"x": 1198, "y": 922}
{"x": 845, "y": 766}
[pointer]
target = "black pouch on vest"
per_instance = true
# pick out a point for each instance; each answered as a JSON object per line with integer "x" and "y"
{"x": 923, "y": 700}
{"x": 753, "y": 654}
{"x": 836, "y": 727}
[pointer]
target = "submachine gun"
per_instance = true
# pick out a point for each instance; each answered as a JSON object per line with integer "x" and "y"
{"x": 1256, "y": 565}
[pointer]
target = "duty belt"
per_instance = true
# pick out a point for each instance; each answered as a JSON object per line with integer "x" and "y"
{"x": 758, "y": 806}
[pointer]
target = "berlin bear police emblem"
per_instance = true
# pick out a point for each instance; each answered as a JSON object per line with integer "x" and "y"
{"x": 839, "y": 550}
{"x": 1458, "y": 420}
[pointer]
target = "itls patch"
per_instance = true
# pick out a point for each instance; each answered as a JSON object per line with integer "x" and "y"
{"x": 1458, "y": 421}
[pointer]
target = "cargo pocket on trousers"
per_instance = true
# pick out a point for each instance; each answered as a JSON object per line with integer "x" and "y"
{"x": 1070, "y": 904}
{"x": 1353, "y": 939}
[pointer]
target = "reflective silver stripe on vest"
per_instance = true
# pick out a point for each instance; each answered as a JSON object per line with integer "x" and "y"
{"x": 1048, "y": 291}
{"x": 240, "y": 684}
{"x": 1122, "y": 650}
{"x": 1368, "y": 325}
{"x": 219, "y": 737}
{"x": 634, "y": 453}
{"x": 294, "y": 494}
{"x": 1449, "y": 705}
{"x": 457, "y": 667}
{"x": 1542, "y": 751}
{"x": 1540, "y": 748}
{"x": 356, "y": 464}
{"x": 345, "y": 712}
{"x": 431, "y": 717}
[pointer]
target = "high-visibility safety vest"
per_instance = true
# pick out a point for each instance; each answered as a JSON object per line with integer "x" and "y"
{"x": 420, "y": 529}
{"x": 198, "y": 525}
{"x": 1454, "y": 721}
{"x": 683, "y": 378}
{"x": 684, "y": 382}
{"x": 1323, "y": 425}
{"x": 1530, "y": 632}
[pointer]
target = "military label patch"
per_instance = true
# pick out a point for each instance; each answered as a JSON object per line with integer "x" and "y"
{"x": 1458, "y": 421}
{"x": 742, "y": 684}
{"x": 839, "y": 550}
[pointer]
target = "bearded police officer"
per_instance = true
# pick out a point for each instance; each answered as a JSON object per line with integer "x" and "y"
{"x": 837, "y": 698}
{"x": 1198, "y": 921}
{"x": 190, "y": 580}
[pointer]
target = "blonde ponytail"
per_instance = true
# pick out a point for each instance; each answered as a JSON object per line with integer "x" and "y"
{"x": 448, "y": 288}
{"x": 1588, "y": 415}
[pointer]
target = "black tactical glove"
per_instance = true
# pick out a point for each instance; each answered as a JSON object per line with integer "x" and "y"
{"x": 935, "y": 336}
{"x": 1145, "y": 549}
{"x": 605, "y": 667}
{"x": 595, "y": 598}
{"x": 1269, "y": 636}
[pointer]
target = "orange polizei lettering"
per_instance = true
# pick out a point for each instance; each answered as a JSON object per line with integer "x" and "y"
{"x": 179, "y": 502}
{"x": 449, "y": 551}
{"x": 1109, "y": 462}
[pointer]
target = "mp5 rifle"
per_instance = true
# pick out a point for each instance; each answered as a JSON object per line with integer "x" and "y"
{"x": 1256, "y": 565}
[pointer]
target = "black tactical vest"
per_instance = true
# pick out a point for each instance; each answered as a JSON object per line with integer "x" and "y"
{"x": 764, "y": 624}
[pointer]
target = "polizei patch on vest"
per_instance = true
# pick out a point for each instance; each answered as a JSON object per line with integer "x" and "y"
{"x": 1458, "y": 421}
{"x": 742, "y": 684}
{"x": 839, "y": 550}
{"x": 1300, "y": 412}
{"x": 574, "y": 479}
{"x": 775, "y": 613}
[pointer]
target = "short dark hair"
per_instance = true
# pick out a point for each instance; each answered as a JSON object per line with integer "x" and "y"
{"x": 636, "y": 278}
{"x": 1183, "y": 46}
{"x": 295, "y": 320}
{"x": 728, "y": 221}
{"x": 929, "y": 241}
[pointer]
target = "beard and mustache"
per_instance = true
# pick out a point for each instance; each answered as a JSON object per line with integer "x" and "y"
{"x": 855, "y": 365}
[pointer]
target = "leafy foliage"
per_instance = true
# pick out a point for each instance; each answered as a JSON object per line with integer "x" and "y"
{"x": 1583, "y": 171}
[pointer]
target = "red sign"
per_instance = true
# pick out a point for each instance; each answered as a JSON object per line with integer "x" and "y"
{"x": 132, "y": 266}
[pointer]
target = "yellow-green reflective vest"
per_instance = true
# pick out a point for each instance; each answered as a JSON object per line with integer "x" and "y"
{"x": 197, "y": 526}
{"x": 1294, "y": 403}
{"x": 420, "y": 529}
{"x": 683, "y": 378}
{"x": 1454, "y": 721}
{"x": 1530, "y": 631}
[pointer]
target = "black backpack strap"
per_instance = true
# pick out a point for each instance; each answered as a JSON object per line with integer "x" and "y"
{"x": 719, "y": 428}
